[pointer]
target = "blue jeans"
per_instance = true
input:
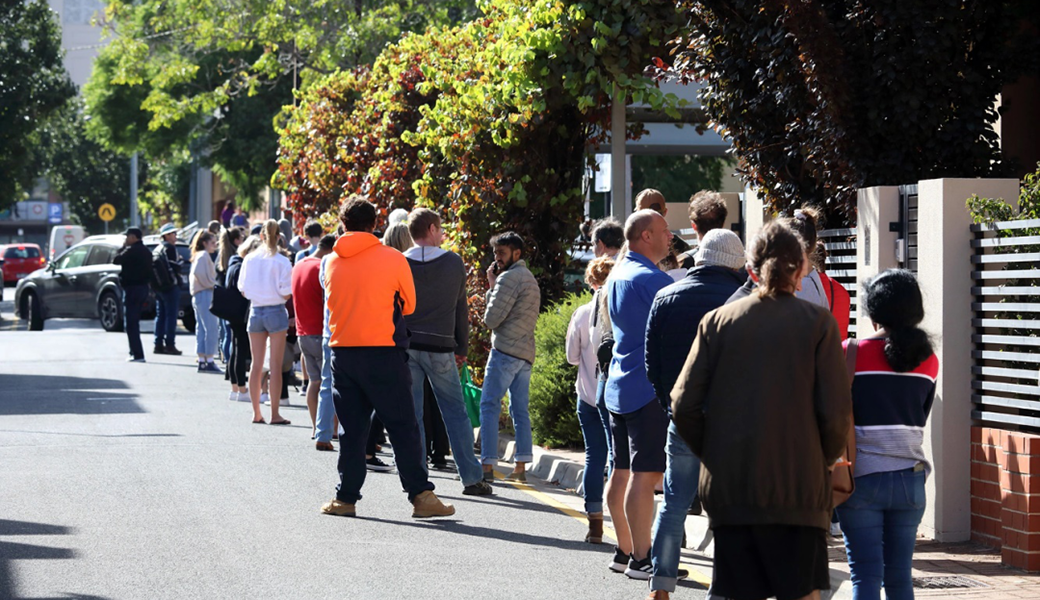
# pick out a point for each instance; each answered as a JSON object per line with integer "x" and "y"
{"x": 680, "y": 486}
{"x": 880, "y": 522}
{"x": 225, "y": 340}
{"x": 604, "y": 415}
{"x": 504, "y": 373}
{"x": 206, "y": 333}
{"x": 167, "y": 304}
{"x": 595, "y": 455}
{"x": 133, "y": 297}
{"x": 326, "y": 409}
{"x": 440, "y": 368}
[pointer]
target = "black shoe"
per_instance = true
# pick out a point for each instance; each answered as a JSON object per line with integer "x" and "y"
{"x": 374, "y": 464}
{"x": 480, "y": 488}
{"x": 159, "y": 349}
{"x": 172, "y": 350}
{"x": 208, "y": 367}
{"x": 639, "y": 569}
{"x": 682, "y": 575}
{"x": 619, "y": 563}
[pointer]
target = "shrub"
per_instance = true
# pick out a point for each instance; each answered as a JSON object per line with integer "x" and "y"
{"x": 554, "y": 421}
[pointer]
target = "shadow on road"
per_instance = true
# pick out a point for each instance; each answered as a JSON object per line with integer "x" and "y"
{"x": 60, "y": 394}
{"x": 10, "y": 551}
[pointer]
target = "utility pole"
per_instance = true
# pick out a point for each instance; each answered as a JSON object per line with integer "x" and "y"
{"x": 618, "y": 165}
{"x": 135, "y": 220}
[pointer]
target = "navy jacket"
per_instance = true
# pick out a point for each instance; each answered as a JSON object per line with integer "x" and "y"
{"x": 674, "y": 316}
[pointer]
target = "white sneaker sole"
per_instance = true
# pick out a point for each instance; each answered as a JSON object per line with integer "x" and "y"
{"x": 640, "y": 575}
{"x": 618, "y": 567}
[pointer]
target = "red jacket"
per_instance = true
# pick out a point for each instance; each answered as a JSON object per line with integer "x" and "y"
{"x": 840, "y": 303}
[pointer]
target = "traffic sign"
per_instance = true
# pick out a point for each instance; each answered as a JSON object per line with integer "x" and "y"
{"x": 107, "y": 212}
{"x": 54, "y": 214}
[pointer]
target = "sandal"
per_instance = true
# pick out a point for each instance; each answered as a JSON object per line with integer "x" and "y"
{"x": 282, "y": 422}
{"x": 260, "y": 422}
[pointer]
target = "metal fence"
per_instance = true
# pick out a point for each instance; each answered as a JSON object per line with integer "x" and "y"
{"x": 1006, "y": 324}
{"x": 906, "y": 244}
{"x": 841, "y": 264}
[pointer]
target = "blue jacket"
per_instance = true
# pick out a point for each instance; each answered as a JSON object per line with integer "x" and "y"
{"x": 631, "y": 289}
{"x": 674, "y": 317}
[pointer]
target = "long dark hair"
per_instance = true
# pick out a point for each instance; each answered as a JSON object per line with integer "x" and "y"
{"x": 893, "y": 301}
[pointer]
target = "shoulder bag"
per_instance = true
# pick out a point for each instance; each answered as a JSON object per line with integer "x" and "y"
{"x": 843, "y": 480}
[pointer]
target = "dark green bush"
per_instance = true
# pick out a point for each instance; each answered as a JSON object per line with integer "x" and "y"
{"x": 554, "y": 422}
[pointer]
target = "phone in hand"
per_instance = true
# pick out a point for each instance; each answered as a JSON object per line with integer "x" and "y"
{"x": 495, "y": 268}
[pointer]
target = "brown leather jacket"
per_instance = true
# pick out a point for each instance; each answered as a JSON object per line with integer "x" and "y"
{"x": 764, "y": 401}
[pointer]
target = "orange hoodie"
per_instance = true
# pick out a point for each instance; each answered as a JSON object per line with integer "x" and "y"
{"x": 369, "y": 290}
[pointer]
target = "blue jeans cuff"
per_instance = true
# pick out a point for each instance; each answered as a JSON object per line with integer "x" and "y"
{"x": 666, "y": 584}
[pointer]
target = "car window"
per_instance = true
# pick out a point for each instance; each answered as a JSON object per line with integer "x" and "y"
{"x": 21, "y": 252}
{"x": 101, "y": 255}
{"x": 73, "y": 258}
{"x": 184, "y": 252}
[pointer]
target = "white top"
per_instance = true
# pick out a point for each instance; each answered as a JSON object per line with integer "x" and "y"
{"x": 812, "y": 290}
{"x": 265, "y": 280}
{"x": 424, "y": 253}
{"x": 677, "y": 275}
{"x": 203, "y": 273}
{"x": 582, "y": 353}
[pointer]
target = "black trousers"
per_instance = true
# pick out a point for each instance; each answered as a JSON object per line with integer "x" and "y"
{"x": 376, "y": 379}
{"x": 437, "y": 444}
{"x": 134, "y": 297}
{"x": 241, "y": 355}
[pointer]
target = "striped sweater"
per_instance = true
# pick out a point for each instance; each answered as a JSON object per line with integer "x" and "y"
{"x": 890, "y": 410}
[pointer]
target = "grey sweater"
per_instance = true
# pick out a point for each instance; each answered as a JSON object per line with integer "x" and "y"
{"x": 440, "y": 322}
{"x": 512, "y": 312}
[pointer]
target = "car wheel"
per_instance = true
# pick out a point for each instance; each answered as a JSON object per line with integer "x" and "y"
{"x": 189, "y": 321}
{"x": 32, "y": 310}
{"x": 110, "y": 310}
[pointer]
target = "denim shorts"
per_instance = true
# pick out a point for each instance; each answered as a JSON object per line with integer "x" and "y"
{"x": 268, "y": 319}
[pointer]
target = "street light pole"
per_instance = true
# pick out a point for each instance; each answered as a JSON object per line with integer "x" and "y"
{"x": 134, "y": 219}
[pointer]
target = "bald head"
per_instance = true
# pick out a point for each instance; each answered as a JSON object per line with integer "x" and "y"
{"x": 647, "y": 233}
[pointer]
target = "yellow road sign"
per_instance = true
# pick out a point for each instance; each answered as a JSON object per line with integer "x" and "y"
{"x": 107, "y": 212}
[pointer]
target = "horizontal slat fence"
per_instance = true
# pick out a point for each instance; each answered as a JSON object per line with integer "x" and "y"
{"x": 841, "y": 264}
{"x": 1006, "y": 324}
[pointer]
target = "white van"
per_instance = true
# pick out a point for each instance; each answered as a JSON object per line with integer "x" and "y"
{"x": 64, "y": 237}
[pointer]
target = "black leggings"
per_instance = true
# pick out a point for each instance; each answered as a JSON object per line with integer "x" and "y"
{"x": 241, "y": 355}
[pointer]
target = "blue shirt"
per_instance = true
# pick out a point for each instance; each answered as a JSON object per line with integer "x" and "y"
{"x": 302, "y": 254}
{"x": 630, "y": 293}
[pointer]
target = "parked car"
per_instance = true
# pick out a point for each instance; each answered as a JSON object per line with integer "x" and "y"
{"x": 20, "y": 260}
{"x": 83, "y": 282}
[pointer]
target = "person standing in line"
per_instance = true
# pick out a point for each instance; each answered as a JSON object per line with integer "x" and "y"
{"x": 708, "y": 211}
{"x": 440, "y": 340}
{"x": 167, "y": 303}
{"x": 670, "y": 331}
{"x": 582, "y": 353}
{"x": 326, "y": 424}
{"x": 134, "y": 275}
{"x": 313, "y": 232}
{"x": 805, "y": 223}
{"x": 638, "y": 422}
{"x": 240, "y": 219}
{"x": 838, "y": 299}
{"x": 230, "y": 239}
{"x": 398, "y": 237}
{"x": 513, "y": 301}
{"x": 266, "y": 280}
{"x": 892, "y": 394}
{"x": 227, "y": 214}
{"x": 308, "y": 302}
{"x": 202, "y": 279}
{"x": 767, "y": 442}
{"x": 238, "y": 364}
{"x": 607, "y": 238}
{"x": 369, "y": 291}
{"x": 288, "y": 242}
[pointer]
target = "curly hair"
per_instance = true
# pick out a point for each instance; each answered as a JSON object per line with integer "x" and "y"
{"x": 598, "y": 270}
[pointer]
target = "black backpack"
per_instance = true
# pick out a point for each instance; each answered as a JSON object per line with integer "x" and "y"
{"x": 162, "y": 273}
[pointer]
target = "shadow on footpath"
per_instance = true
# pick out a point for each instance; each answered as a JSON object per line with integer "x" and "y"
{"x": 10, "y": 551}
{"x": 60, "y": 394}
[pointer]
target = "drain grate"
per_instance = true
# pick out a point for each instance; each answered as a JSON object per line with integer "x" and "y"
{"x": 946, "y": 583}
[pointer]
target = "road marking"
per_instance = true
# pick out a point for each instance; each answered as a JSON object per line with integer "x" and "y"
{"x": 695, "y": 574}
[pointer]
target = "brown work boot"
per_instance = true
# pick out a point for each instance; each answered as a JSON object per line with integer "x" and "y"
{"x": 339, "y": 509}
{"x": 658, "y": 595}
{"x": 595, "y": 534}
{"x": 427, "y": 504}
{"x": 324, "y": 446}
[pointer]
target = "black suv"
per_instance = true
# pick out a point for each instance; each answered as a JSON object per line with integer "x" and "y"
{"x": 83, "y": 283}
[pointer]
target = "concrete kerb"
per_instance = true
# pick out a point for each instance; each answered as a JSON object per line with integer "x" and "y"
{"x": 546, "y": 465}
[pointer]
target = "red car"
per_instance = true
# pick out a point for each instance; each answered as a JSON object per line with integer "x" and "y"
{"x": 20, "y": 260}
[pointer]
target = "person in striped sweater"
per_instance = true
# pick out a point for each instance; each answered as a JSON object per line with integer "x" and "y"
{"x": 892, "y": 393}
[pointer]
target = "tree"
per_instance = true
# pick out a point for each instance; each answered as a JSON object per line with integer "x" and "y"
{"x": 821, "y": 98}
{"x": 679, "y": 177}
{"x": 33, "y": 85}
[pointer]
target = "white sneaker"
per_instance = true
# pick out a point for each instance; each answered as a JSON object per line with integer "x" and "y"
{"x": 836, "y": 530}
{"x": 233, "y": 396}
{"x": 244, "y": 397}
{"x": 265, "y": 399}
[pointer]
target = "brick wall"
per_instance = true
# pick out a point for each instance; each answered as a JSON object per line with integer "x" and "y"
{"x": 1005, "y": 494}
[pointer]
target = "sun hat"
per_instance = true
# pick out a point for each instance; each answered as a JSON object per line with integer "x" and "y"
{"x": 167, "y": 228}
{"x": 721, "y": 248}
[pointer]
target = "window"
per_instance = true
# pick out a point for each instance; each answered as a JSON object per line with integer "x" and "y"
{"x": 101, "y": 255}
{"x": 73, "y": 258}
{"x": 80, "y": 12}
{"x": 21, "y": 252}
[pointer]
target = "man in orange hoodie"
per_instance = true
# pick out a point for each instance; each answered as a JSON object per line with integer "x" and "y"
{"x": 368, "y": 291}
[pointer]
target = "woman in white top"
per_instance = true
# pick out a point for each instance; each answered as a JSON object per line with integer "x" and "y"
{"x": 805, "y": 222}
{"x": 582, "y": 343}
{"x": 201, "y": 281}
{"x": 266, "y": 280}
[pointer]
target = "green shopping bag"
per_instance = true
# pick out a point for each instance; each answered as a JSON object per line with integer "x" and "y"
{"x": 471, "y": 394}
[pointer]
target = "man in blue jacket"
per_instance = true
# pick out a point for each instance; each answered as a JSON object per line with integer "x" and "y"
{"x": 670, "y": 331}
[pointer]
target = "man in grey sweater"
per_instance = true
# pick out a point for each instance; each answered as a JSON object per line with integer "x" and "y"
{"x": 439, "y": 330}
{"x": 511, "y": 315}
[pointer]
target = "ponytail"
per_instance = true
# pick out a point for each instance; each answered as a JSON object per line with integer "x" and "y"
{"x": 906, "y": 348}
{"x": 269, "y": 234}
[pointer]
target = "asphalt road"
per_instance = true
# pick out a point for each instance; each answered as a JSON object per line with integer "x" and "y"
{"x": 143, "y": 481}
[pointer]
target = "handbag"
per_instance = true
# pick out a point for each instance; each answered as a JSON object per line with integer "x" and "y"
{"x": 471, "y": 393}
{"x": 229, "y": 304}
{"x": 843, "y": 480}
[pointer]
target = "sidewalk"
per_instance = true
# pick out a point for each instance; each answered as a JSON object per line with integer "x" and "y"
{"x": 940, "y": 569}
